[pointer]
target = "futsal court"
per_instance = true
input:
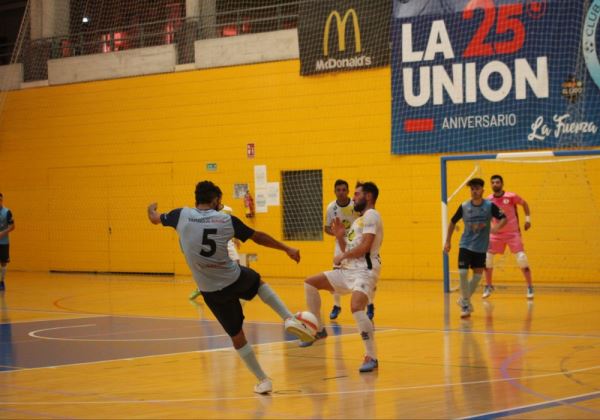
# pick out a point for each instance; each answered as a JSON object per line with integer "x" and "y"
{"x": 112, "y": 112}
{"x": 102, "y": 346}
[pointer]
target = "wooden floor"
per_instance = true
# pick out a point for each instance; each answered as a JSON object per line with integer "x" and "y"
{"x": 85, "y": 346}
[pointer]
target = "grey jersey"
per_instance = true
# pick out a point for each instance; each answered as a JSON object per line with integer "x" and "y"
{"x": 476, "y": 235}
{"x": 203, "y": 235}
{"x": 6, "y": 219}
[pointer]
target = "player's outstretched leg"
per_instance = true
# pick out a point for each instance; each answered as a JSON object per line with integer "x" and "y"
{"x": 292, "y": 325}
{"x": 312, "y": 285}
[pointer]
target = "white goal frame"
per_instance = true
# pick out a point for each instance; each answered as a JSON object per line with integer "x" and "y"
{"x": 497, "y": 156}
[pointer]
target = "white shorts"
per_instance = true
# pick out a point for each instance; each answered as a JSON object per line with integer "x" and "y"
{"x": 345, "y": 281}
{"x": 232, "y": 252}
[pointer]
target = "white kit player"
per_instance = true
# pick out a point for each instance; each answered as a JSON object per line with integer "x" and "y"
{"x": 360, "y": 267}
{"x": 341, "y": 208}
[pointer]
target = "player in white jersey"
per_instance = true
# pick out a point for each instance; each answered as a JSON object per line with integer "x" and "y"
{"x": 360, "y": 268}
{"x": 232, "y": 247}
{"x": 203, "y": 235}
{"x": 342, "y": 208}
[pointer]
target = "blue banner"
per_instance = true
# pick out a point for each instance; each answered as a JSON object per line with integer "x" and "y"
{"x": 492, "y": 75}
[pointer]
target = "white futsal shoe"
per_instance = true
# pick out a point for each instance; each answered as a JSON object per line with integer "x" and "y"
{"x": 263, "y": 387}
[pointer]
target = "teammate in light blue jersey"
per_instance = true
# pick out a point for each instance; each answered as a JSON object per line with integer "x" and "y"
{"x": 7, "y": 225}
{"x": 477, "y": 215}
{"x": 204, "y": 233}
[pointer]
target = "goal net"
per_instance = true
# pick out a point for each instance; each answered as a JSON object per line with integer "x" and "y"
{"x": 563, "y": 193}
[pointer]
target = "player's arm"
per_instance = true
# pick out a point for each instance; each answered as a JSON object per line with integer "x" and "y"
{"x": 11, "y": 225}
{"x": 527, "y": 214}
{"x": 243, "y": 233}
{"x": 357, "y": 252}
{"x": 166, "y": 219}
{"x": 338, "y": 230}
{"x": 328, "y": 221}
{"x": 153, "y": 214}
{"x": 451, "y": 226}
{"x": 502, "y": 219}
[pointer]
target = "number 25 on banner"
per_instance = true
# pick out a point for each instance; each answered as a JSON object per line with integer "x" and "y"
{"x": 509, "y": 20}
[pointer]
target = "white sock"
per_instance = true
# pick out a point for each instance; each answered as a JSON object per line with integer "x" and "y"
{"x": 268, "y": 295}
{"x": 465, "y": 291}
{"x": 248, "y": 356}
{"x": 474, "y": 283}
{"x": 313, "y": 301}
{"x": 2, "y": 273}
{"x": 337, "y": 300}
{"x": 365, "y": 328}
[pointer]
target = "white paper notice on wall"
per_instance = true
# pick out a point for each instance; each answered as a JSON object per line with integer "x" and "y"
{"x": 261, "y": 200}
{"x": 273, "y": 193}
{"x": 260, "y": 177}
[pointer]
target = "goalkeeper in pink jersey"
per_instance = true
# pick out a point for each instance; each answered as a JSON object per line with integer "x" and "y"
{"x": 509, "y": 235}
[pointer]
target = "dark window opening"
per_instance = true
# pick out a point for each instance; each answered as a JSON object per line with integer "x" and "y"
{"x": 302, "y": 193}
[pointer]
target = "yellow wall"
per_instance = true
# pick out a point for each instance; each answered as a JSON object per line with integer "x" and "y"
{"x": 79, "y": 159}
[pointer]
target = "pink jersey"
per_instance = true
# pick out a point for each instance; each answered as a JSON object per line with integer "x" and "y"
{"x": 508, "y": 204}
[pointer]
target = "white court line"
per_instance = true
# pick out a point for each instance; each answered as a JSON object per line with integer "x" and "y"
{"x": 379, "y": 329}
{"x": 292, "y": 341}
{"x": 98, "y": 314}
{"x": 310, "y": 394}
{"x": 74, "y": 317}
{"x": 220, "y": 349}
{"x": 35, "y": 335}
{"x": 527, "y": 334}
{"x": 544, "y": 404}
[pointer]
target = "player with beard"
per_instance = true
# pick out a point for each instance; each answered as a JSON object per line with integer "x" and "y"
{"x": 343, "y": 209}
{"x": 509, "y": 235}
{"x": 359, "y": 270}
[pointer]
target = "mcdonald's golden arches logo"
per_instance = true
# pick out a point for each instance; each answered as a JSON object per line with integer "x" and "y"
{"x": 356, "y": 34}
{"x": 341, "y": 23}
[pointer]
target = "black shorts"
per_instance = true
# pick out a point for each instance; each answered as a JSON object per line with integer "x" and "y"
{"x": 4, "y": 254}
{"x": 225, "y": 304}
{"x": 469, "y": 259}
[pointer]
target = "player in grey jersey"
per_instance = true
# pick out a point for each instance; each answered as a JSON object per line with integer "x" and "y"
{"x": 203, "y": 234}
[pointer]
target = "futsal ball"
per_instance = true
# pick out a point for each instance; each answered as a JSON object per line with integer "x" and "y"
{"x": 309, "y": 321}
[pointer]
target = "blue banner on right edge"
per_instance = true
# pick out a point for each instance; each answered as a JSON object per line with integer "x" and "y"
{"x": 493, "y": 75}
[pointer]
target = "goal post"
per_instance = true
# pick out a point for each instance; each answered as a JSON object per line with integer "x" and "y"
{"x": 547, "y": 158}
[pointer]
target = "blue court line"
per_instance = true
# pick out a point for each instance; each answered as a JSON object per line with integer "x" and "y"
{"x": 534, "y": 407}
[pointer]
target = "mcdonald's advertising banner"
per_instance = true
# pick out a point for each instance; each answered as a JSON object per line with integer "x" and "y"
{"x": 343, "y": 35}
{"x": 493, "y": 75}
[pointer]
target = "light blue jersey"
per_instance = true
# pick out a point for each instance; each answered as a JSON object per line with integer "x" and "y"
{"x": 203, "y": 236}
{"x": 6, "y": 219}
{"x": 477, "y": 219}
